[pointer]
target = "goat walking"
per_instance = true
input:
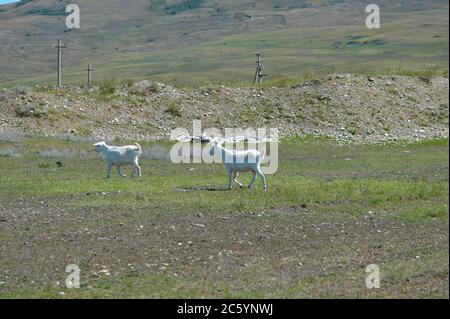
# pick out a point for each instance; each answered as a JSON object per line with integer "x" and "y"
{"x": 239, "y": 161}
{"x": 120, "y": 156}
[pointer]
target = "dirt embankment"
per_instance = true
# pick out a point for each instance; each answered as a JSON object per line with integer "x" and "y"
{"x": 343, "y": 106}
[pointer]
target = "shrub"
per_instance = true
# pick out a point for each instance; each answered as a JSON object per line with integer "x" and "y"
{"x": 108, "y": 86}
{"x": 29, "y": 110}
{"x": 154, "y": 87}
{"x": 129, "y": 82}
{"x": 20, "y": 89}
{"x": 44, "y": 165}
{"x": 173, "y": 108}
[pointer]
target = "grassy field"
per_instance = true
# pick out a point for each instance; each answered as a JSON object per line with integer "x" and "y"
{"x": 217, "y": 41}
{"x": 329, "y": 211}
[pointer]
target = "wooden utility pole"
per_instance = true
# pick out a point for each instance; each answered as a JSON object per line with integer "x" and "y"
{"x": 89, "y": 71}
{"x": 59, "y": 47}
{"x": 259, "y": 67}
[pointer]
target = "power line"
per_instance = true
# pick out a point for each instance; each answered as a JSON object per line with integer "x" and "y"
{"x": 89, "y": 71}
{"x": 59, "y": 47}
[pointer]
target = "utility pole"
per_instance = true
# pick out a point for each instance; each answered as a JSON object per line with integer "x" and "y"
{"x": 89, "y": 71}
{"x": 59, "y": 47}
{"x": 259, "y": 68}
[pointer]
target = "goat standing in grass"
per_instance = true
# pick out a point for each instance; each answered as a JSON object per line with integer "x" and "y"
{"x": 239, "y": 161}
{"x": 120, "y": 156}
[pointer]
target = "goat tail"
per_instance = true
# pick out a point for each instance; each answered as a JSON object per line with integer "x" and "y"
{"x": 139, "y": 148}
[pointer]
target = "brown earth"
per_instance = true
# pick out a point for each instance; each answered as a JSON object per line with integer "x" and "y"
{"x": 264, "y": 250}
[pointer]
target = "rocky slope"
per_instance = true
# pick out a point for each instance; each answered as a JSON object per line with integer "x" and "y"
{"x": 343, "y": 106}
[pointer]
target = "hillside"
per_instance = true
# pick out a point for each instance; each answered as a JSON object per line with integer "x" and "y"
{"x": 186, "y": 41}
{"x": 343, "y": 106}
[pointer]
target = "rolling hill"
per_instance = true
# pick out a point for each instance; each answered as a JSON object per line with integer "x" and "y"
{"x": 187, "y": 41}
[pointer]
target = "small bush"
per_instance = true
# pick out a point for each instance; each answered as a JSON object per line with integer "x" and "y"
{"x": 44, "y": 165}
{"x": 129, "y": 83}
{"x": 108, "y": 87}
{"x": 21, "y": 89}
{"x": 29, "y": 110}
{"x": 154, "y": 87}
{"x": 174, "y": 108}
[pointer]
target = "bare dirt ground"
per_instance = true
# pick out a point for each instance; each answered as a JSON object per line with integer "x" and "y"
{"x": 264, "y": 251}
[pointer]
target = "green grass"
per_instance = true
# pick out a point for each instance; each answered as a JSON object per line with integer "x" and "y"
{"x": 408, "y": 43}
{"x": 402, "y": 182}
{"x": 407, "y": 182}
{"x": 108, "y": 87}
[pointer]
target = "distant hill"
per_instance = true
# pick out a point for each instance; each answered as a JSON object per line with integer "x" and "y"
{"x": 185, "y": 41}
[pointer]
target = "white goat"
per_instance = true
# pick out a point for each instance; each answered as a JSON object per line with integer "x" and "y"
{"x": 120, "y": 156}
{"x": 239, "y": 161}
